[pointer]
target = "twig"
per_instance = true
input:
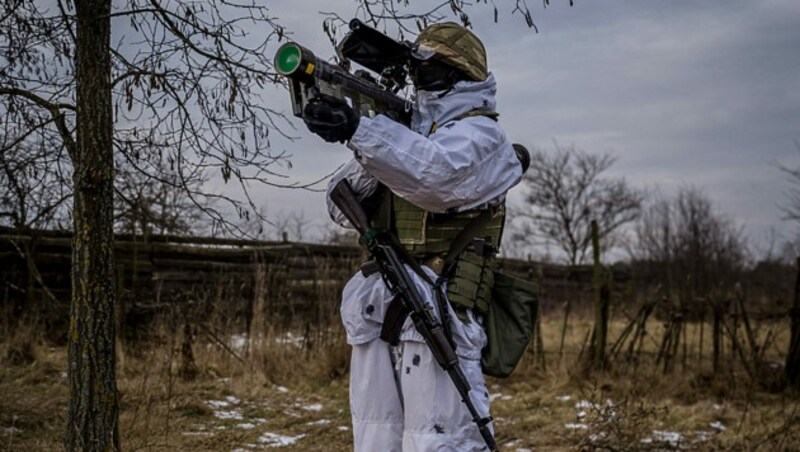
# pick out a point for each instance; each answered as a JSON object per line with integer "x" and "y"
{"x": 221, "y": 343}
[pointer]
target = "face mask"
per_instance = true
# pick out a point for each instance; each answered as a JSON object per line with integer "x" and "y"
{"x": 435, "y": 76}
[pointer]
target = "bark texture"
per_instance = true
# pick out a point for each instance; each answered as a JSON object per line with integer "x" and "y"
{"x": 793, "y": 358}
{"x": 93, "y": 422}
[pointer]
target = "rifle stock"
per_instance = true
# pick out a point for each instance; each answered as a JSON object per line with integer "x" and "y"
{"x": 345, "y": 199}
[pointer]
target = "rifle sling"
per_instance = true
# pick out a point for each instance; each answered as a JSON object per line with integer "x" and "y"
{"x": 464, "y": 238}
{"x": 397, "y": 313}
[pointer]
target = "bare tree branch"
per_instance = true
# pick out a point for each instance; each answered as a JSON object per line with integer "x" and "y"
{"x": 566, "y": 190}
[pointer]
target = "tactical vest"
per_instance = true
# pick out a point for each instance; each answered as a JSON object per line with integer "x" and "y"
{"x": 428, "y": 236}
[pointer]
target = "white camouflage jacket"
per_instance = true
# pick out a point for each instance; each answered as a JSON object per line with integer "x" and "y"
{"x": 464, "y": 164}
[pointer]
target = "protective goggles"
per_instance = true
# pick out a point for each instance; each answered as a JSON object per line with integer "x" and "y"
{"x": 422, "y": 51}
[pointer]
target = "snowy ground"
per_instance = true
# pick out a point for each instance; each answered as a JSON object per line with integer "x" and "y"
{"x": 299, "y": 421}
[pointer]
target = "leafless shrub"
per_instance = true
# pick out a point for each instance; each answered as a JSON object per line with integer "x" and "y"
{"x": 605, "y": 424}
{"x": 566, "y": 190}
{"x": 688, "y": 245}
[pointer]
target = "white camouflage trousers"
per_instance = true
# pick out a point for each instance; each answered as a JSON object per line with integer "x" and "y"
{"x": 400, "y": 398}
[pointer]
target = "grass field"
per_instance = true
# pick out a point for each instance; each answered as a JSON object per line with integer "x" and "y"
{"x": 289, "y": 391}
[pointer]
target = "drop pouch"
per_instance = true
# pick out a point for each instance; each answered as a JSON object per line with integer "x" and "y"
{"x": 510, "y": 323}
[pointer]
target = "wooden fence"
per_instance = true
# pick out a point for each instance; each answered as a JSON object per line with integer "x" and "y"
{"x": 239, "y": 283}
{"x": 161, "y": 270}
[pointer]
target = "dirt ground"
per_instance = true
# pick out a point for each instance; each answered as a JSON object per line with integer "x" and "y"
{"x": 288, "y": 392}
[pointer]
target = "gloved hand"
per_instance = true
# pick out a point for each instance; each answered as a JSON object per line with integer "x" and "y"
{"x": 523, "y": 156}
{"x": 331, "y": 118}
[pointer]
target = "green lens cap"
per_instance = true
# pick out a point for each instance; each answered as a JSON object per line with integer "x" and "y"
{"x": 287, "y": 59}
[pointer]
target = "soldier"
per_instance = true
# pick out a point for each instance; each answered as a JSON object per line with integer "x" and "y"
{"x": 425, "y": 184}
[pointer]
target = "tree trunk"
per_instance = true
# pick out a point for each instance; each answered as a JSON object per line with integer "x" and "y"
{"x": 93, "y": 422}
{"x": 793, "y": 358}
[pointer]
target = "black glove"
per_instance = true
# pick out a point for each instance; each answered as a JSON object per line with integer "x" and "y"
{"x": 331, "y": 118}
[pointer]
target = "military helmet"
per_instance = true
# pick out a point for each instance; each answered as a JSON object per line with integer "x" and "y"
{"x": 455, "y": 45}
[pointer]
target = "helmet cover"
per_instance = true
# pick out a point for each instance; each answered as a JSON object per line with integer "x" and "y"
{"x": 455, "y": 45}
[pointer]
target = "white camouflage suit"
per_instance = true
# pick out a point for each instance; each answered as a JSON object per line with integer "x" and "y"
{"x": 400, "y": 399}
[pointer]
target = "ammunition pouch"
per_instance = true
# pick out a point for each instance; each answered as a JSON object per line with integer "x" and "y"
{"x": 470, "y": 282}
{"x": 510, "y": 324}
{"x": 429, "y": 237}
{"x": 446, "y": 244}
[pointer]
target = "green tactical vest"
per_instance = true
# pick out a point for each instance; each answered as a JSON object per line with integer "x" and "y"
{"x": 427, "y": 235}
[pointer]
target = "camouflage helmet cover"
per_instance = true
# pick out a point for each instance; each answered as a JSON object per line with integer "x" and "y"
{"x": 457, "y": 46}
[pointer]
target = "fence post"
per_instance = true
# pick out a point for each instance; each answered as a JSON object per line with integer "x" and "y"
{"x": 567, "y": 309}
{"x": 793, "y": 358}
{"x": 704, "y": 305}
{"x": 717, "y": 334}
{"x": 602, "y": 296}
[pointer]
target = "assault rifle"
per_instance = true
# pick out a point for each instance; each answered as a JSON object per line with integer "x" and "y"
{"x": 312, "y": 79}
{"x": 382, "y": 248}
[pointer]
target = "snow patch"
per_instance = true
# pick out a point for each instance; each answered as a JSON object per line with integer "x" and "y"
{"x": 576, "y": 426}
{"x": 291, "y": 339}
{"x": 225, "y": 415}
{"x": 11, "y": 431}
{"x": 282, "y": 389}
{"x": 342, "y": 428}
{"x": 238, "y": 342}
{"x": 717, "y": 425}
{"x": 595, "y": 438}
{"x": 564, "y": 398}
{"x": 275, "y": 440}
{"x": 313, "y": 407}
{"x": 703, "y": 435}
{"x": 246, "y": 426}
{"x": 319, "y": 422}
{"x": 218, "y": 403}
{"x": 672, "y": 438}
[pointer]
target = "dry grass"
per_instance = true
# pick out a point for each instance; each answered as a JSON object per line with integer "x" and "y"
{"x": 294, "y": 388}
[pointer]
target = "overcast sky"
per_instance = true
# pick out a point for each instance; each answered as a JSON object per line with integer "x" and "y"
{"x": 685, "y": 93}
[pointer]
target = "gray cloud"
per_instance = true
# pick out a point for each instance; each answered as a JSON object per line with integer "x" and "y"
{"x": 685, "y": 93}
{"x": 702, "y": 95}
